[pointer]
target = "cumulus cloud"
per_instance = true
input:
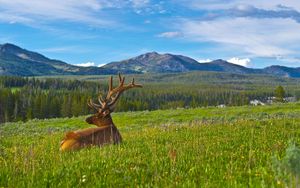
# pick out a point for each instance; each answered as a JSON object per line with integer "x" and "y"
{"x": 139, "y": 3}
{"x": 91, "y": 12}
{"x": 90, "y": 64}
{"x": 87, "y": 64}
{"x": 244, "y": 10}
{"x": 204, "y": 60}
{"x": 101, "y": 65}
{"x": 38, "y": 11}
{"x": 147, "y": 7}
{"x": 243, "y": 62}
{"x": 170, "y": 34}
{"x": 255, "y": 37}
{"x": 246, "y": 62}
{"x": 288, "y": 59}
{"x": 258, "y": 29}
{"x": 221, "y": 4}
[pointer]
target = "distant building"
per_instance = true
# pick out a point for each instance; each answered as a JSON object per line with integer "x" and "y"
{"x": 221, "y": 106}
{"x": 256, "y": 102}
{"x": 271, "y": 100}
{"x": 290, "y": 99}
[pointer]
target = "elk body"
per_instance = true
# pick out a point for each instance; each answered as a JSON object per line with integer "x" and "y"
{"x": 106, "y": 132}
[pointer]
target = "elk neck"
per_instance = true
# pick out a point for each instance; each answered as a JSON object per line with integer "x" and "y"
{"x": 105, "y": 121}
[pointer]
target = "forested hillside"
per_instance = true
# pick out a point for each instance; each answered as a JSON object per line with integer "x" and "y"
{"x": 22, "y": 99}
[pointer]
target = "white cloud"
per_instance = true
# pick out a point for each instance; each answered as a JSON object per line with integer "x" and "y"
{"x": 246, "y": 62}
{"x": 94, "y": 13}
{"x": 146, "y": 7}
{"x": 250, "y": 36}
{"x": 288, "y": 59}
{"x": 243, "y": 62}
{"x": 139, "y": 3}
{"x": 12, "y": 18}
{"x": 87, "y": 64}
{"x": 272, "y": 4}
{"x": 204, "y": 60}
{"x": 221, "y": 4}
{"x": 170, "y": 34}
{"x": 100, "y": 65}
{"x": 36, "y": 11}
{"x": 59, "y": 49}
{"x": 260, "y": 28}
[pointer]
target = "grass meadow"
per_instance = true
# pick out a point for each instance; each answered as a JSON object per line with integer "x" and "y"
{"x": 203, "y": 147}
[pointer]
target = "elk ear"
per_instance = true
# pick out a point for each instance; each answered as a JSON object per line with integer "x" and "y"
{"x": 71, "y": 135}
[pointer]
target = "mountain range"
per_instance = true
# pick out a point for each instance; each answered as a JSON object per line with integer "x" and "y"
{"x": 20, "y": 62}
{"x": 15, "y": 60}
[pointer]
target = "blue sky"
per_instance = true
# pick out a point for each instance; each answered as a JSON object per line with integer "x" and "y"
{"x": 95, "y": 32}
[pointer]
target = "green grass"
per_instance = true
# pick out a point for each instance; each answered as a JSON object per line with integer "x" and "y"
{"x": 203, "y": 147}
{"x": 15, "y": 89}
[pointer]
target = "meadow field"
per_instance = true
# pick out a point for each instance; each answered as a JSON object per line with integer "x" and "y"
{"x": 202, "y": 147}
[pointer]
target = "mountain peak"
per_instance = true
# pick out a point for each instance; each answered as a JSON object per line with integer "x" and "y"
{"x": 148, "y": 55}
{"x": 219, "y": 61}
{"x": 153, "y": 62}
{"x": 153, "y": 53}
{"x": 9, "y": 47}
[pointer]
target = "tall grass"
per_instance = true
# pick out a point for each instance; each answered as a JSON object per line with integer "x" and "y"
{"x": 204, "y": 147}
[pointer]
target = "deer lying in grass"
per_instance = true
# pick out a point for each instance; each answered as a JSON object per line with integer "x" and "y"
{"x": 106, "y": 131}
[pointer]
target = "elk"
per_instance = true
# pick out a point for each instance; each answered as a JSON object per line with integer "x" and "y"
{"x": 106, "y": 132}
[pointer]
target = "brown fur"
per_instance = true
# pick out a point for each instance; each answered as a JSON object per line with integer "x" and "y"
{"x": 105, "y": 133}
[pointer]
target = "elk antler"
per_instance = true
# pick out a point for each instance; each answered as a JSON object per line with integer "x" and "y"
{"x": 113, "y": 95}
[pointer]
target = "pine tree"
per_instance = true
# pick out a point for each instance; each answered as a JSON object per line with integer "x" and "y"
{"x": 279, "y": 94}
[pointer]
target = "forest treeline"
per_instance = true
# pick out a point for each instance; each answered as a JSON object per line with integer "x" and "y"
{"x": 22, "y": 99}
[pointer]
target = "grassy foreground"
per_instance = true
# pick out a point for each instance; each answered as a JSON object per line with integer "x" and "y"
{"x": 204, "y": 147}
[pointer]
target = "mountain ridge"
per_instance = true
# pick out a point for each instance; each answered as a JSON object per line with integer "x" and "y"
{"x": 218, "y": 65}
{"x": 15, "y": 60}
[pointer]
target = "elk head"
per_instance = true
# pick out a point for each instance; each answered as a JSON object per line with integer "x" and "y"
{"x": 108, "y": 104}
